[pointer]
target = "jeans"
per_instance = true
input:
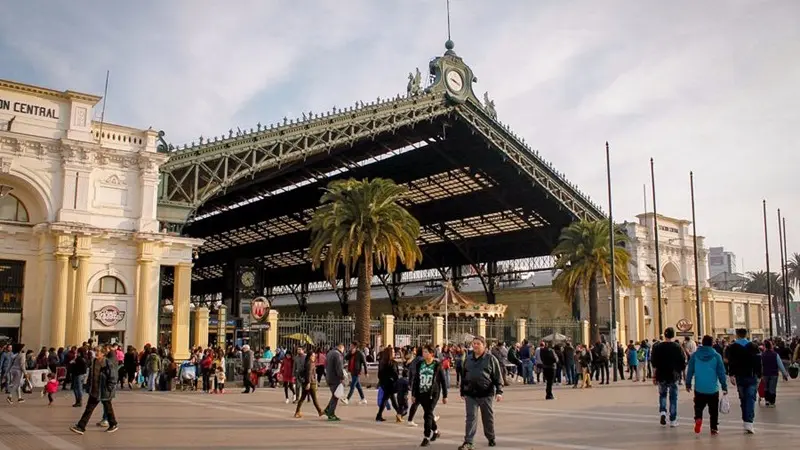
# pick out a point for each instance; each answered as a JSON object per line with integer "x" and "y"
{"x": 770, "y": 389}
{"x": 486, "y": 407}
{"x": 447, "y": 378}
{"x": 355, "y": 383}
{"x": 748, "y": 389}
{"x": 388, "y": 396}
{"x": 90, "y": 405}
{"x": 310, "y": 393}
{"x": 672, "y": 388}
{"x": 527, "y": 371}
{"x": 570, "y": 373}
{"x": 700, "y": 402}
{"x": 77, "y": 388}
{"x": 151, "y": 380}
{"x": 428, "y": 404}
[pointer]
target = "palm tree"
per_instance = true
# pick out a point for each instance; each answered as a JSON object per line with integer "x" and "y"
{"x": 582, "y": 256}
{"x": 793, "y": 268}
{"x": 361, "y": 224}
{"x": 757, "y": 284}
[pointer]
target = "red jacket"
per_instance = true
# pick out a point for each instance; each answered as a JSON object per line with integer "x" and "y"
{"x": 286, "y": 369}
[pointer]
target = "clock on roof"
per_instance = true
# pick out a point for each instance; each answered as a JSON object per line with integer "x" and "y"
{"x": 248, "y": 278}
{"x": 451, "y": 77}
{"x": 454, "y": 80}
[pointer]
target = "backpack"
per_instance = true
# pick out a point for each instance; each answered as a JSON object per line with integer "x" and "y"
{"x": 640, "y": 354}
{"x": 604, "y": 351}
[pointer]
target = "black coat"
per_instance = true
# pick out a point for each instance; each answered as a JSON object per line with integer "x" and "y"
{"x": 439, "y": 385}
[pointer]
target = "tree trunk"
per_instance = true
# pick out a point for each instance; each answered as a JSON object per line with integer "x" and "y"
{"x": 364, "y": 291}
{"x": 593, "y": 307}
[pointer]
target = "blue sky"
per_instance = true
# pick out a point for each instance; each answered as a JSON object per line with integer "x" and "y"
{"x": 705, "y": 86}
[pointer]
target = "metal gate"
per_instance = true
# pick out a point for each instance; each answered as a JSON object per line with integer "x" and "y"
{"x": 461, "y": 330}
{"x": 324, "y": 331}
{"x": 412, "y": 331}
{"x": 501, "y": 330}
{"x": 538, "y": 329}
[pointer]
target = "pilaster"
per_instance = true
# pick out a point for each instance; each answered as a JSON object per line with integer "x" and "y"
{"x": 180, "y": 311}
{"x": 222, "y": 326}
{"x": 271, "y": 335}
{"x": 481, "y": 326}
{"x": 201, "y": 327}
{"x": 437, "y": 324}
{"x": 387, "y": 329}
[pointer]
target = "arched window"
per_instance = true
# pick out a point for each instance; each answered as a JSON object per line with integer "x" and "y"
{"x": 108, "y": 285}
{"x": 12, "y": 209}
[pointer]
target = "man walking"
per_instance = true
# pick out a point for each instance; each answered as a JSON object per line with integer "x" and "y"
{"x": 744, "y": 368}
{"x": 102, "y": 382}
{"x": 549, "y": 362}
{"x": 356, "y": 362}
{"x": 481, "y": 385}
{"x": 668, "y": 363}
{"x": 707, "y": 369}
{"x": 334, "y": 374}
{"x": 247, "y": 367}
{"x": 426, "y": 386}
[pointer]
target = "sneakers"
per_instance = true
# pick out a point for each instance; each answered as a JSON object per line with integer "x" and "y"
{"x": 663, "y": 419}
{"x": 333, "y": 419}
{"x": 345, "y": 401}
{"x": 102, "y": 423}
{"x": 436, "y": 435}
{"x": 298, "y": 415}
{"x": 411, "y": 423}
{"x": 714, "y": 432}
{"x": 363, "y": 401}
{"x": 286, "y": 401}
{"x": 492, "y": 443}
{"x": 112, "y": 428}
{"x": 698, "y": 425}
{"x": 76, "y": 429}
{"x": 466, "y": 446}
{"x": 436, "y": 418}
{"x": 425, "y": 442}
{"x": 673, "y": 423}
{"x": 748, "y": 428}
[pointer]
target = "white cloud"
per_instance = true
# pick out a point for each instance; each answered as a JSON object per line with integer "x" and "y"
{"x": 704, "y": 86}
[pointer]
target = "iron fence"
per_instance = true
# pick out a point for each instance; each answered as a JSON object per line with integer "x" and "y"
{"x": 461, "y": 330}
{"x": 324, "y": 331}
{"x": 541, "y": 328}
{"x": 412, "y": 331}
{"x": 501, "y": 330}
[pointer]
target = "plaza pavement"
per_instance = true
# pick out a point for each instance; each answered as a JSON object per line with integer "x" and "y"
{"x": 620, "y": 416}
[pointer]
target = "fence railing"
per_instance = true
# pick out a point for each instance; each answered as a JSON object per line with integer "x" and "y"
{"x": 461, "y": 330}
{"x": 324, "y": 331}
{"x": 539, "y": 329}
{"x": 501, "y": 330}
{"x": 412, "y": 331}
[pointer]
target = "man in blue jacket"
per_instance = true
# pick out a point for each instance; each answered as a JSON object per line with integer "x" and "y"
{"x": 708, "y": 371}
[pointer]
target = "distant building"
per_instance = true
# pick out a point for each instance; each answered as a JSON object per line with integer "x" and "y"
{"x": 720, "y": 261}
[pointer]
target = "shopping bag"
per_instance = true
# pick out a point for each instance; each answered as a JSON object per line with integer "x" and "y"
{"x": 339, "y": 392}
{"x": 762, "y": 388}
{"x": 27, "y": 387}
{"x": 724, "y": 404}
{"x": 794, "y": 370}
{"x": 380, "y": 396}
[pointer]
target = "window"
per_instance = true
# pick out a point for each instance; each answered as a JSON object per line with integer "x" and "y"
{"x": 12, "y": 285}
{"x": 108, "y": 285}
{"x": 12, "y": 209}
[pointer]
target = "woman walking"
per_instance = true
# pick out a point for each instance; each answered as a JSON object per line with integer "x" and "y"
{"x": 308, "y": 382}
{"x": 16, "y": 373}
{"x": 77, "y": 371}
{"x": 287, "y": 377}
{"x": 427, "y": 385}
{"x": 387, "y": 378}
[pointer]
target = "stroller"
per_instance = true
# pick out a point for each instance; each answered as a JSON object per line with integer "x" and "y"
{"x": 187, "y": 376}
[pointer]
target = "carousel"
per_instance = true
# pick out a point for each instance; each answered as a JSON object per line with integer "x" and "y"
{"x": 452, "y": 303}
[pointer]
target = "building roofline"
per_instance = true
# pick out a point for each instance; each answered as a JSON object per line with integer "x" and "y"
{"x": 51, "y": 93}
{"x": 661, "y": 216}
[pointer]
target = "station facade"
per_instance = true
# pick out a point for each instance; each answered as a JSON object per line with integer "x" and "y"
{"x": 81, "y": 251}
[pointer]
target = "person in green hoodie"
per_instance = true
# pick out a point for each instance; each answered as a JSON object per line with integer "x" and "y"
{"x": 708, "y": 371}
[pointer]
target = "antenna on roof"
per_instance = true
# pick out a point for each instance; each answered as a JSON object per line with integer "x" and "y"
{"x": 103, "y": 112}
{"x": 448, "y": 20}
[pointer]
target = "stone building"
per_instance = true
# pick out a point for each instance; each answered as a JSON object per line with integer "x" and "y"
{"x": 80, "y": 246}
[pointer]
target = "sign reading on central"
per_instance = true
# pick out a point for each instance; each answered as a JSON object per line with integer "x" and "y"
{"x": 31, "y": 110}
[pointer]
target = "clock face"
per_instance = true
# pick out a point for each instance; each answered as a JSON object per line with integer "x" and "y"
{"x": 248, "y": 279}
{"x": 454, "y": 80}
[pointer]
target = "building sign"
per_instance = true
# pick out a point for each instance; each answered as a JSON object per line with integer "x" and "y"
{"x": 684, "y": 325}
{"x": 259, "y": 309}
{"x": 27, "y": 108}
{"x": 109, "y": 315}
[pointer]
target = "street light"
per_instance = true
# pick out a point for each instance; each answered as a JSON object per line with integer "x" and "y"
{"x": 73, "y": 259}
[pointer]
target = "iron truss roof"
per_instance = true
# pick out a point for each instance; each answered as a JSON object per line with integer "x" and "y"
{"x": 478, "y": 191}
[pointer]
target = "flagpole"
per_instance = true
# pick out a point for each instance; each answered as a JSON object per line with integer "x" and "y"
{"x": 769, "y": 288}
{"x": 611, "y": 247}
{"x": 658, "y": 257}
{"x": 783, "y": 274}
{"x": 696, "y": 265}
{"x": 786, "y": 281}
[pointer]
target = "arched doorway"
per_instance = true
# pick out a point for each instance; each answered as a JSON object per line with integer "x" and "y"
{"x": 671, "y": 275}
{"x": 110, "y": 300}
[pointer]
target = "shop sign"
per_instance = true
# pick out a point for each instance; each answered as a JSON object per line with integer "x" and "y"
{"x": 109, "y": 315}
{"x": 684, "y": 325}
{"x": 259, "y": 309}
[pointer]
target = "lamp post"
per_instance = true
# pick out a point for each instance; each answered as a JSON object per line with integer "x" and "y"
{"x": 696, "y": 268}
{"x": 766, "y": 250}
{"x": 658, "y": 258}
{"x": 74, "y": 262}
{"x": 611, "y": 247}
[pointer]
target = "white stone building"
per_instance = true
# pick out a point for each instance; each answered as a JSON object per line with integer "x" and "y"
{"x": 80, "y": 247}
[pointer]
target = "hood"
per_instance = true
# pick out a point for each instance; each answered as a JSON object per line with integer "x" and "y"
{"x": 743, "y": 342}
{"x": 705, "y": 354}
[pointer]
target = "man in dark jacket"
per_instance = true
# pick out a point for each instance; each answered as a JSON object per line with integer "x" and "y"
{"x": 426, "y": 386}
{"x": 549, "y": 362}
{"x": 481, "y": 385}
{"x": 101, "y": 387}
{"x": 334, "y": 375}
{"x": 356, "y": 362}
{"x": 744, "y": 368}
{"x": 247, "y": 367}
{"x": 668, "y": 363}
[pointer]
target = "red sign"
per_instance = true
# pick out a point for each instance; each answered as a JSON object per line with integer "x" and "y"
{"x": 259, "y": 309}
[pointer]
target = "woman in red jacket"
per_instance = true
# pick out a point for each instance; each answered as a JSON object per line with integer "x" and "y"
{"x": 206, "y": 365}
{"x": 287, "y": 377}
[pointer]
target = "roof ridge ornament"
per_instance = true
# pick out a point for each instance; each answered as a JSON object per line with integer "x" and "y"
{"x": 488, "y": 105}
{"x": 414, "y": 87}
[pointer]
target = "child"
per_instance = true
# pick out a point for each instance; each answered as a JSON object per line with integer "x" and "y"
{"x": 51, "y": 388}
{"x": 402, "y": 388}
{"x": 220, "y": 380}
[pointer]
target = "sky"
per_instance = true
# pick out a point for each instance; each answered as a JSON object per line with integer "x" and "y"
{"x": 710, "y": 87}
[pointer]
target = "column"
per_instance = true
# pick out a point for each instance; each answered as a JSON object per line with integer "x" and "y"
{"x": 481, "y": 326}
{"x": 522, "y": 329}
{"x": 222, "y": 326}
{"x": 201, "y": 327}
{"x": 80, "y": 311}
{"x": 437, "y": 330}
{"x": 70, "y": 328}
{"x": 180, "y": 311}
{"x": 144, "y": 310}
{"x": 585, "y": 335}
{"x": 623, "y": 319}
{"x": 271, "y": 334}
{"x": 58, "y": 320}
{"x": 387, "y": 329}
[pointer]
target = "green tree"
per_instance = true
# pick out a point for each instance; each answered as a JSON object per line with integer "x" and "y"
{"x": 361, "y": 224}
{"x": 793, "y": 266}
{"x": 757, "y": 284}
{"x": 583, "y": 256}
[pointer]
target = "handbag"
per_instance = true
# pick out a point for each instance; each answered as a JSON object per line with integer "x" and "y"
{"x": 27, "y": 387}
{"x": 339, "y": 392}
{"x": 794, "y": 370}
{"x": 724, "y": 404}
